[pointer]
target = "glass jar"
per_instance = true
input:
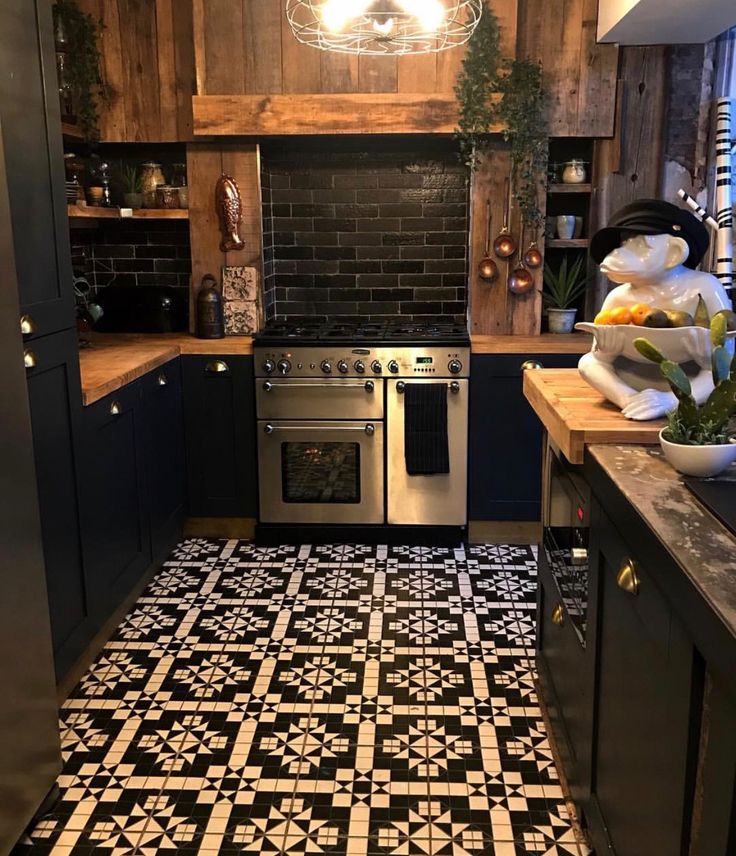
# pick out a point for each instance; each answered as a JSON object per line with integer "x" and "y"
{"x": 151, "y": 177}
{"x": 574, "y": 172}
{"x": 167, "y": 196}
{"x": 178, "y": 175}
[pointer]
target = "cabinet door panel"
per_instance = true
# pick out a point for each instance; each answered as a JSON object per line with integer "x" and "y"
{"x": 31, "y": 128}
{"x": 116, "y": 532}
{"x": 644, "y": 697}
{"x": 219, "y": 414}
{"x": 165, "y": 457}
{"x": 505, "y": 443}
{"x": 55, "y": 402}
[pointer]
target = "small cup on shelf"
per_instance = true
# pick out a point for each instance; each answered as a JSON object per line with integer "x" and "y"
{"x": 167, "y": 196}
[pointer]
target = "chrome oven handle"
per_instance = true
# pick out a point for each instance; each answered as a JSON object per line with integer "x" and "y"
{"x": 368, "y": 429}
{"x": 454, "y": 387}
{"x": 368, "y": 386}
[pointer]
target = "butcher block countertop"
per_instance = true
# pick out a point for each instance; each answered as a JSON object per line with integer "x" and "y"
{"x": 546, "y": 343}
{"x": 575, "y": 415}
{"x": 116, "y": 359}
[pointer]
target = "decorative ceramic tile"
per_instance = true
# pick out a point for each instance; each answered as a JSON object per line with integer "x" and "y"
{"x": 239, "y": 295}
{"x": 339, "y": 699}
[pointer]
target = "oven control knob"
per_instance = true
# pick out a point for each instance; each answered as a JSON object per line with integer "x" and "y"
{"x": 393, "y": 366}
{"x": 326, "y": 366}
{"x": 284, "y": 367}
{"x": 269, "y": 366}
{"x": 359, "y": 366}
{"x": 455, "y": 366}
{"x": 376, "y": 367}
{"x": 342, "y": 367}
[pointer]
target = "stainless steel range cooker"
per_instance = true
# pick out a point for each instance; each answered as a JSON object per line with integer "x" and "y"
{"x": 331, "y": 408}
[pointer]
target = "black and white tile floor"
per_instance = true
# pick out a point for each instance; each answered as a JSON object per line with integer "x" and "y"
{"x": 308, "y": 700}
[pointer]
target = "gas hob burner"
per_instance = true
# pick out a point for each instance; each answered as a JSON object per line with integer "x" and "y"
{"x": 348, "y": 331}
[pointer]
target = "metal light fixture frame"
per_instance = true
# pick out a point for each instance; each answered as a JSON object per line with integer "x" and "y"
{"x": 363, "y": 35}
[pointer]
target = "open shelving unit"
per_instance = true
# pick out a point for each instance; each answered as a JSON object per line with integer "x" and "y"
{"x": 93, "y": 213}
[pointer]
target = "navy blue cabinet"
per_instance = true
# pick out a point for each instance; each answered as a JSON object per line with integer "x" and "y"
{"x": 31, "y": 130}
{"x": 115, "y": 522}
{"x": 165, "y": 457}
{"x": 219, "y": 415}
{"x": 55, "y": 403}
{"x": 505, "y": 443}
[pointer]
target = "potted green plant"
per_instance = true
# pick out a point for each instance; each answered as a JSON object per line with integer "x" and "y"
{"x": 131, "y": 185}
{"x": 562, "y": 289}
{"x": 696, "y": 440}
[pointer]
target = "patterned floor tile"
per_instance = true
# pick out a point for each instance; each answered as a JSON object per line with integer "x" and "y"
{"x": 338, "y": 699}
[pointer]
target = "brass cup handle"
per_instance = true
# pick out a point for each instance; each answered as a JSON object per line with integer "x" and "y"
{"x": 627, "y": 578}
{"x": 162, "y": 380}
{"x": 217, "y": 367}
{"x": 29, "y": 359}
{"x": 116, "y": 408}
{"x": 27, "y": 325}
{"x": 530, "y": 365}
{"x": 558, "y": 615}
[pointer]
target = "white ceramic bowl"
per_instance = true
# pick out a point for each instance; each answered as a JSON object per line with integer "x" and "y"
{"x": 671, "y": 341}
{"x": 700, "y": 461}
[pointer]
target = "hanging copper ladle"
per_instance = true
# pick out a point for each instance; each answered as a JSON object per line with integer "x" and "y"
{"x": 520, "y": 279}
{"x": 487, "y": 268}
{"x": 505, "y": 246}
{"x": 533, "y": 257}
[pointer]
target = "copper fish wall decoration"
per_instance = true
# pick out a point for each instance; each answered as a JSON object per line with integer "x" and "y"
{"x": 230, "y": 212}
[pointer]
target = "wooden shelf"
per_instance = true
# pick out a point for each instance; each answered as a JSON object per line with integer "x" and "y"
{"x": 572, "y": 244}
{"x": 92, "y": 213}
{"x": 569, "y": 188}
{"x": 71, "y": 132}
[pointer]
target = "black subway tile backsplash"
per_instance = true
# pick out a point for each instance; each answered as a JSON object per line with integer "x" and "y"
{"x": 371, "y": 230}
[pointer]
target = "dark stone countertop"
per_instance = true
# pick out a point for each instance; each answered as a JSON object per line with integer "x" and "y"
{"x": 697, "y": 541}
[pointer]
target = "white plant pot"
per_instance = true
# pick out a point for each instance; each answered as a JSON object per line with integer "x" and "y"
{"x": 700, "y": 461}
{"x": 565, "y": 226}
{"x": 561, "y": 320}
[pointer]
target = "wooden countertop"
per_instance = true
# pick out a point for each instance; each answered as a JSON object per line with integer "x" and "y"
{"x": 114, "y": 360}
{"x": 575, "y": 415}
{"x": 546, "y": 343}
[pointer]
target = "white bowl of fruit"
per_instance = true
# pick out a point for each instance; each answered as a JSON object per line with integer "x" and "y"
{"x": 677, "y": 334}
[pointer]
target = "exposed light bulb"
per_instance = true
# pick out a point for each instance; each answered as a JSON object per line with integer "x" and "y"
{"x": 385, "y": 28}
{"x": 430, "y": 13}
{"x": 337, "y": 14}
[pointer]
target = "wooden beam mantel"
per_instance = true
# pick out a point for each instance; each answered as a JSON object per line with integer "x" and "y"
{"x": 349, "y": 113}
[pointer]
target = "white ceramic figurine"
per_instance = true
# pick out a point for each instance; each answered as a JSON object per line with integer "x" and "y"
{"x": 651, "y": 249}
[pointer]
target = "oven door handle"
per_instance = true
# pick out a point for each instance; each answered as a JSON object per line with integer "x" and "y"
{"x": 368, "y": 386}
{"x": 368, "y": 429}
{"x": 454, "y": 387}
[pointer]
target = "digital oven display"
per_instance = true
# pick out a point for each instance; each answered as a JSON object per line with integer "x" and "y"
{"x": 424, "y": 361}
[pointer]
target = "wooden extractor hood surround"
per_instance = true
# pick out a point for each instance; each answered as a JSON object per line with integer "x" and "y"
{"x": 325, "y": 113}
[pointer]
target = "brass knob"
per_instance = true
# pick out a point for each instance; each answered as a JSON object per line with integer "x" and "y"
{"x": 627, "y": 577}
{"x": 116, "y": 408}
{"x": 162, "y": 380}
{"x": 558, "y": 615}
{"x": 27, "y": 325}
{"x": 29, "y": 359}
{"x": 217, "y": 367}
{"x": 531, "y": 364}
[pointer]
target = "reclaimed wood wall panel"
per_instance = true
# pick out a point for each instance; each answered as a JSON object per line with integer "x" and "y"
{"x": 580, "y": 75}
{"x": 147, "y": 69}
{"x": 205, "y": 163}
{"x": 262, "y": 47}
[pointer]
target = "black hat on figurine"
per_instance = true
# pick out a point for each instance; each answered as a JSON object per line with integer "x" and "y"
{"x": 651, "y": 217}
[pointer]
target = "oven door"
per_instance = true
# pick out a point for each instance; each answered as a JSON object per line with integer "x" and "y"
{"x": 321, "y": 472}
{"x": 431, "y": 500}
{"x": 319, "y": 399}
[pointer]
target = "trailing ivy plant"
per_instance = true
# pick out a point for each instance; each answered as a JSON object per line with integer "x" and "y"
{"x": 83, "y": 64}
{"x": 493, "y": 89}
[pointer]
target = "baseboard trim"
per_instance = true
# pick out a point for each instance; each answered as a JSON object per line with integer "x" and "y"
{"x": 504, "y": 532}
{"x": 220, "y": 527}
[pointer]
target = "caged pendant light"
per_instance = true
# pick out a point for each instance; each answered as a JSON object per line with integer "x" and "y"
{"x": 383, "y": 27}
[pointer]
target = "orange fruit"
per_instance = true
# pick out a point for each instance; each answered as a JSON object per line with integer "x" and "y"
{"x": 639, "y": 312}
{"x": 620, "y": 315}
{"x": 603, "y": 317}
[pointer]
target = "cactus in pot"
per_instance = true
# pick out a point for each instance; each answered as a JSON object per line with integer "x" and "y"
{"x": 696, "y": 440}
